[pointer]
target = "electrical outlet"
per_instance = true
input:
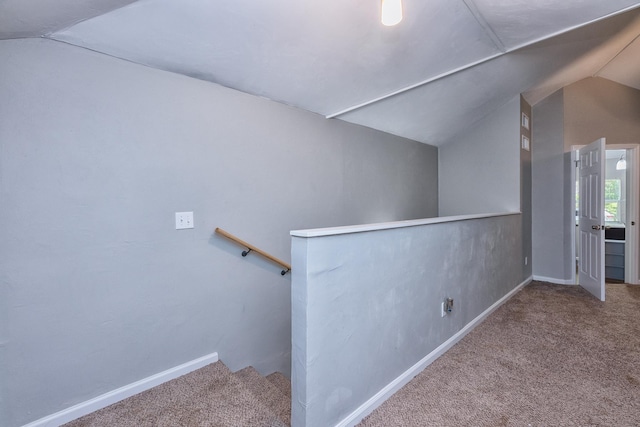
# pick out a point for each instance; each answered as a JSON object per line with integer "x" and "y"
{"x": 184, "y": 220}
{"x": 446, "y": 307}
{"x": 526, "y": 260}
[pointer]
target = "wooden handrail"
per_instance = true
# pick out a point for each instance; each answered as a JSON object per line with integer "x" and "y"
{"x": 252, "y": 248}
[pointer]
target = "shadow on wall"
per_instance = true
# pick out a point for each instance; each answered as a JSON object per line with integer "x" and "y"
{"x": 234, "y": 251}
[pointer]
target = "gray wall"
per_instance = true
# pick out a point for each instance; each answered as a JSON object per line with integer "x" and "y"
{"x": 550, "y": 245}
{"x": 479, "y": 171}
{"x": 96, "y": 155}
{"x": 484, "y": 170}
{"x": 596, "y": 108}
{"x": 369, "y": 304}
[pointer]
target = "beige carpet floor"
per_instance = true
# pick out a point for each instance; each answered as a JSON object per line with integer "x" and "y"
{"x": 210, "y": 396}
{"x": 551, "y": 356}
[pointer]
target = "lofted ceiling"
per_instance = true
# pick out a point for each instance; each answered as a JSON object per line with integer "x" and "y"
{"x": 444, "y": 67}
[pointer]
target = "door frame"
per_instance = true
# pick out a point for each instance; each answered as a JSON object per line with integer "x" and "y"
{"x": 574, "y": 170}
{"x": 632, "y": 239}
{"x": 632, "y": 234}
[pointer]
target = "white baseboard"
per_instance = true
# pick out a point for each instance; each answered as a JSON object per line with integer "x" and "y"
{"x": 121, "y": 393}
{"x": 366, "y": 408}
{"x": 554, "y": 280}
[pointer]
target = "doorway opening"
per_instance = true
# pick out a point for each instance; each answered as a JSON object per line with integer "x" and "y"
{"x": 621, "y": 198}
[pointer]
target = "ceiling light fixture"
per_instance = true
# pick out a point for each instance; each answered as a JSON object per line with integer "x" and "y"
{"x": 391, "y": 12}
{"x": 622, "y": 163}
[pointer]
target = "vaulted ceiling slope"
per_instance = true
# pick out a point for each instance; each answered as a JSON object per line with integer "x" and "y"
{"x": 444, "y": 67}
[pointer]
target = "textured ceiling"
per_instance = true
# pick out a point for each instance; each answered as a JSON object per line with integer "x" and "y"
{"x": 445, "y": 66}
{"x": 36, "y": 18}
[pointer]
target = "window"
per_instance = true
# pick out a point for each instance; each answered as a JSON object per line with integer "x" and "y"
{"x": 612, "y": 200}
{"x": 612, "y": 205}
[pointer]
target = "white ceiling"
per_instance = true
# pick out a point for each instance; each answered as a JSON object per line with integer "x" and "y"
{"x": 445, "y": 66}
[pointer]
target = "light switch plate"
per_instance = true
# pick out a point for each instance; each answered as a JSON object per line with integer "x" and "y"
{"x": 184, "y": 220}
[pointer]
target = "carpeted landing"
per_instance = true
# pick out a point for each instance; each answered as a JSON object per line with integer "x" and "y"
{"x": 210, "y": 396}
{"x": 551, "y": 356}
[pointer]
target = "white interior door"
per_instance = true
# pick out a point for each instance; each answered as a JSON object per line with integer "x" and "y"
{"x": 591, "y": 214}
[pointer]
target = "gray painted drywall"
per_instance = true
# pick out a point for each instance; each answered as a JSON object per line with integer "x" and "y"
{"x": 479, "y": 171}
{"x": 96, "y": 156}
{"x": 4, "y": 329}
{"x": 370, "y": 304}
{"x": 596, "y": 108}
{"x": 525, "y": 192}
{"x": 548, "y": 198}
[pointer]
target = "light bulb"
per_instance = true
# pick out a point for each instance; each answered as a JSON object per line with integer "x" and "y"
{"x": 391, "y": 12}
{"x": 621, "y": 165}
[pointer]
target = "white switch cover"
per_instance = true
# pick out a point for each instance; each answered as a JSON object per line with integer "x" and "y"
{"x": 184, "y": 220}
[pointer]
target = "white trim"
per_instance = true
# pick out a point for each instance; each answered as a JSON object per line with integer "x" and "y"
{"x": 574, "y": 249}
{"x": 631, "y": 245}
{"x": 349, "y": 229}
{"x": 554, "y": 280}
{"x": 632, "y": 275}
{"x": 121, "y": 393}
{"x": 367, "y": 407}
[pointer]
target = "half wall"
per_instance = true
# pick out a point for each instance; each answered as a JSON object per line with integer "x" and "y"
{"x": 366, "y": 303}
